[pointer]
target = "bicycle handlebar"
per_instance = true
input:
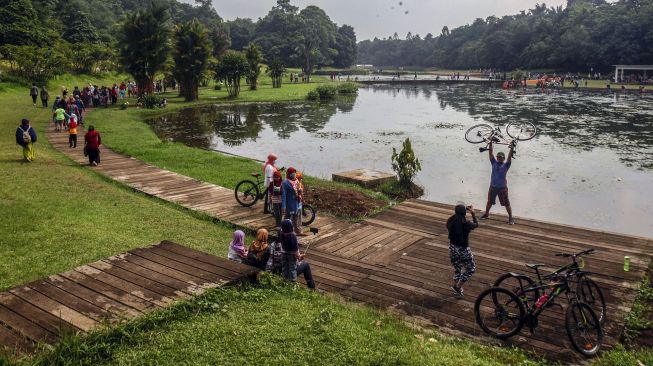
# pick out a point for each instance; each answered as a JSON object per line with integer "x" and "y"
{"x": 567, "y": 255}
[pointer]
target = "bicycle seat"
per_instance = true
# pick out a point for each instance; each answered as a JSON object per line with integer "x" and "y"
{"x": 534, "y": 265}
{"x": 256, "y": 175}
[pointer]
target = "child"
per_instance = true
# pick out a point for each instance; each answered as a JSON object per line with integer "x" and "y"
{"x": 60, "y": 116}
{"x": 237, "y": 251}
{"x": 72, "y": 130}
{"x": 274, "y": 191}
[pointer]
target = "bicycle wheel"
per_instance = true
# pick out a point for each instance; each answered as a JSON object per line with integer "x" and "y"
{"x": 521, "y": 285}
{"x": 499, "y": 312}
{"x": 521, "y": 131}
{"x": 308, "y": 214}
{"x": 583, "y": 329}
{"x": 479, "y": 133}
{"x": 590, "y": 293}
{"x": 247, "y": 193}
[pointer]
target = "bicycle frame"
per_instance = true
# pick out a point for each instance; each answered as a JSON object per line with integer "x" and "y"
{"x": 497, "y": 138}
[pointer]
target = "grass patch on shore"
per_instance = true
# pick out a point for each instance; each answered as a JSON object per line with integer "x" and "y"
{"x": 272, "y": 324}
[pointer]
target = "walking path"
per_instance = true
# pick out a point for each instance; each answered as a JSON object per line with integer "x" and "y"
{"x": 109, "y": 291}
{"x": 399, "y": 260}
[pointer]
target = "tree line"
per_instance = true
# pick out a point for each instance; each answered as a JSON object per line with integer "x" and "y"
{"x": 43, "y": 38}
{"x": 583, "y": 35}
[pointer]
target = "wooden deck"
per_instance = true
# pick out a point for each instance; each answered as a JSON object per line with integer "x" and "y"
{"x": 399, "y": 258}
{"x": 109, "y": 291}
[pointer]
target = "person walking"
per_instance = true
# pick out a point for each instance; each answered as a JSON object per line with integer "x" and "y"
{"x": 34, "y": 93}
{"x": 499, "y": 182}
{"x": 268, "y": 171}
{"x": 26, "y": 137}
{"x": 460, "y": 254}
{"x": 92, "y": 143}
{"x": 60, "y": 116}
{"x": 45, "y": 96}
{"x": 72, "y": 131}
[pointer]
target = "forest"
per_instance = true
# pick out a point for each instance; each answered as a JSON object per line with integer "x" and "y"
{"x": 43, "y": 38}
{"x": 582, "y": 35}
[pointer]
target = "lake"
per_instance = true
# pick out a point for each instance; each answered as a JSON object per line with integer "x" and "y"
{"x": 591, "y": 164}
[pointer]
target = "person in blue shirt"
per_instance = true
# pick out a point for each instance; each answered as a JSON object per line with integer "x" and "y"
{"x": 499, "y": 183}
{"x": 26, "y": 137}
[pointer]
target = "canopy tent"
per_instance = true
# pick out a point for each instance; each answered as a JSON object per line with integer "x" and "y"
{"x": 619, "y": 70}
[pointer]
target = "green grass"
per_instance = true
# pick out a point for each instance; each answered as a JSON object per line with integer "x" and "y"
{"x": 55, "y": 214}
{"x": 273, "y": 324}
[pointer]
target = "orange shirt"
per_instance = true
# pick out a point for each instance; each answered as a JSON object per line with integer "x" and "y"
{"x": 72, "y": 127}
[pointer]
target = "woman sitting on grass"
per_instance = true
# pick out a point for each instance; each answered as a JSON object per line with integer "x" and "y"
{"x": 259, "y": 252}
{"x": 237, "y": 251}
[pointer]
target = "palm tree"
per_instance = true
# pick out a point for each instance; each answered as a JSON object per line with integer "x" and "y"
{"x": 191, "y": 54}
{"x": 144, "y": 44}
{"x": 254, "y": 57}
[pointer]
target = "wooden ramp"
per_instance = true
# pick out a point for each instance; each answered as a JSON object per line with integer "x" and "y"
{"x": 109, "y": 291}
{"x": 211, "y": 199}
{"x": 399, "y": 258}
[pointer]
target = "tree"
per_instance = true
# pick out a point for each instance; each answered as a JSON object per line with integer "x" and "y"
{"x": 192, "y": 48}
{"x": 19, "y": 24}
{"x": 279, "y": 33}
{"x": 405, "y": 164}
{"x": 221, "y": 42}
{"x": 346, "y": 47}
{"x": 241, "y": 32}
{"x": 36, "y": 64}
{"x": 276, "y": 70}
{"x": 78, "y": 27}
{"x": 254, "y": 58}
{"x": 230, "y": 69}
{"x": 144, "y": 45}
{"x": 318, "y": 36}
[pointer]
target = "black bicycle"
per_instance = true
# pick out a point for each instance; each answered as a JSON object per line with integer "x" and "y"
{"x": 484, "y": 133}
{"x": 248, "y": 192}
{"x": 502, "y": 314}
{"x": 586, "y": 290}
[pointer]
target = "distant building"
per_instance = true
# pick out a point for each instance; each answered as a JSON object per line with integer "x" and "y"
{"x": 619, "y": 70}
{"x": 365, "y": 66}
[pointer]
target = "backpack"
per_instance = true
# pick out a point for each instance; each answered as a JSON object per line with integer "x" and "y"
{"x": 27, "y": 138}
{"x": 274, "y": 263}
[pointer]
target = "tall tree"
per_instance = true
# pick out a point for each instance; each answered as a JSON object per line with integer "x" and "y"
{"x": 276, "y": 70}
{"x": 144, "y": 44}
{"x": 318, "y": 37}
{"x": 241, "y": 31}
{"x": 346, "y": 47}
{"x": 254, "y": 58}
{"x": 230, "y": 69}
{"x": 19, "y": 24}
{"x": 192, "y": 48}
{"x": 77, "y": 27}
{"x": 279, "y": 33}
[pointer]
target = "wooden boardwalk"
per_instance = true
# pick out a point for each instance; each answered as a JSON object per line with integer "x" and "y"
{"x": 109, "y": 291}
{"x": 399, "y": 258}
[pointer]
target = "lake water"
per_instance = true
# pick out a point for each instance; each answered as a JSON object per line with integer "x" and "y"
{"x": 591, "y": 165}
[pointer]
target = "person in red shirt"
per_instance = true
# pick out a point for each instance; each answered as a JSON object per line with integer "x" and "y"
{"x": 92, "y": 143}
{"x": 72, "y": 131}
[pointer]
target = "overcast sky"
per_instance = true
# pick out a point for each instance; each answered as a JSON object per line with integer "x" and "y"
{"x": 381, "y": 18}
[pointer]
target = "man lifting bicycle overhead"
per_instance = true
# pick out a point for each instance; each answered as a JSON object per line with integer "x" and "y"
{"x": 498, "y": 181}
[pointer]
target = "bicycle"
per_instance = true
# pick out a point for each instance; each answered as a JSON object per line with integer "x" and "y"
{"x": 517, "y": 131}
{"x": 248, "y": 193}
{"x": 587, "y": 290}
{"x": 502, "y": 314}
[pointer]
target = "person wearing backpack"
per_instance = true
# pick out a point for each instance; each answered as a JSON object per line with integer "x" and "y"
{"x": 72, "y": 131}
{"x": 26, "y": 137}
{"x": 34, "y": 93}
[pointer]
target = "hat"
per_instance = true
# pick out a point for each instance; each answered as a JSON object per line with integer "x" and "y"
{"x": 501, "y": 154}
{"x": 291, "y": 170}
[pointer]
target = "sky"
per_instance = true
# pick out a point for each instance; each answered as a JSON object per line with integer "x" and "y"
{"x": 381, "y": 18}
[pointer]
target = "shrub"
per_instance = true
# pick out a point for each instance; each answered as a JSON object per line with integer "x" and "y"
{"x": 149, "y": 101}
{"x": 313, "y": 95}
{"x": 405, "y": 164}
{"x": 347, "y": 88}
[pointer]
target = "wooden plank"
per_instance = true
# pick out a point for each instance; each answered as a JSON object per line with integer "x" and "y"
{"x": 26, "y": 327}
{"x": 80, "y": 305}
{"x": 206, "y": 276}
{"x": 36, "y": 315}
{"x": 66, "y": 314}
{"x": 209, "y": 259}
{"x": 118, "y": 309}
{"x": 146, "y": 273}
{"x": 14, "y": 341}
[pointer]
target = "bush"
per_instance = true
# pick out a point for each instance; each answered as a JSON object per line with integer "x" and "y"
{"x": 405, "y": 164}
{"x": 313, "y": 95}
{"x": 324, "y": 92}
{"x": 149, "y": 101}
{"x": 347, "y": 88}
{"x": 218, "y": 86}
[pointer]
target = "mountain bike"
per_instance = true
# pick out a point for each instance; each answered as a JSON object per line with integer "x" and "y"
{"x": 502, "y": 314}
{"x": 516, "y": 131}
{"x": 586, "y": 291}
{"x": 248, "y": 192}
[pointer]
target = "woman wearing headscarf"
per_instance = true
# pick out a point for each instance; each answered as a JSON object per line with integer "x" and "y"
{"x": 292, "y": 261}
{"x": 290, "y": 199}
{"x": 274, "y": 192}
{"x": 268, "y": 173}
{"x": 259, "y": 252}
{"x": 237, "y": 251}
{"x": 460, "y": 254}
